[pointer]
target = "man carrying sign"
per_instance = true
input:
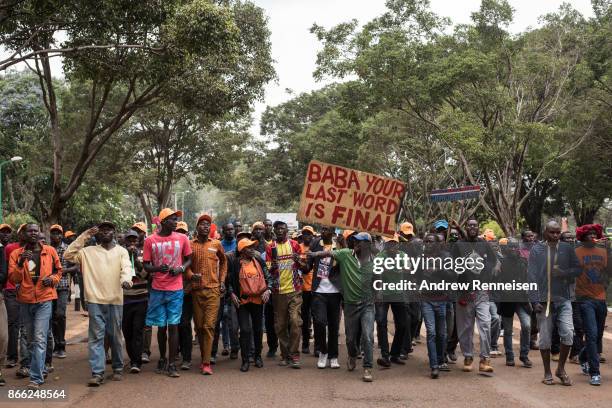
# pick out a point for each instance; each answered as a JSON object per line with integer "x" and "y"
{"x": 356, "y": 264}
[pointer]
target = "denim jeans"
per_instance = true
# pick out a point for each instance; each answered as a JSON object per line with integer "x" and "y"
{"x": 35, "y": 318}
{"x": 434, "y": 316}
{"x": 359, "y": 328}
{"x": 59, "y": 319}
{"x": 525, "y": 319}
{"x": 105, "y": 319}
{"x": 593, "y": 318}
{"x": 561, "y": 315}
{"x": 12, "y": 311}
{"x": 495, "y": 325}
{"x": 399, "y": 318}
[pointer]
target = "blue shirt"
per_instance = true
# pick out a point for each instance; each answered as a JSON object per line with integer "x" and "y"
{"x": 229, "y": 246}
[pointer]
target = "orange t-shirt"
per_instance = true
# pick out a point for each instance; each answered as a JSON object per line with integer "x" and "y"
{"x": 307, "y": 286}
{"x": 249, "y": 269}
{"x": 590, "y": 283}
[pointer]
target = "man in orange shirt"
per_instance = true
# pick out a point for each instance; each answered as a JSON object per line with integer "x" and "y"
{"x": 591, "y": 286}
{"x": 207, "y": 273}
{"x": 37, "y": 269}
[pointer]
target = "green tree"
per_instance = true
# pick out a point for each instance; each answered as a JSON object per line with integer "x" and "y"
{"x": 211, "y": 56}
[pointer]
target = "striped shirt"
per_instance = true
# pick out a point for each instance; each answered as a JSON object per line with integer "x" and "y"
{"x": 207, "y": 259}
{"x": 64, "y": 283}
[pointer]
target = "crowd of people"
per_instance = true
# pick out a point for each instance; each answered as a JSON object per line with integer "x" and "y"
{"x": 236, "y": 285}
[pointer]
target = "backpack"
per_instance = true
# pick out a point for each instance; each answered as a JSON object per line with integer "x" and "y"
{"x": 252, "y": 285}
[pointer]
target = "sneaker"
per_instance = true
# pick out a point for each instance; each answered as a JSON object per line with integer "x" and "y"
{"x": 383, "y": 362}
{"x": 367, "y": 375}
{"x": 134, "y": 369}
{"x": 467, "y": 364}
{"x": 403, "y": 356}
{"x": 233, "y": 354}
{"x": 186, "y": 365}
{"x": 117, "y": 376}
{"x": 495, "y": 353}
{"x": 258, "y": 362}
{"x": 333, "y": 363}
{"x": 595, "y": 380}
{"x": 225, "y": 352}
{"x": 322, "y": 363}
{"x": 306, "y": 350}
{"x": 295, "y": 362}
{"x": 397, "y": 360}
{"x": 554, "y": 357}
{"x": 11, "y": 363}
{"x": 435, "y": 373}
{"x": 245, "y": 366}
{"x": 162, "y": 366}
{"x": 485, "y": 366}
{"x": 444, "y": 367}
{"x": 351, "y": 363}
{"x": 510, "y": 363}
{"x": 452, "y": 357}
{"x": 284, "y": 362}
{"x": 33, "y": 386}
{"x": 206, "y": 369}
{"x": 585, "y": 368}
{"x": 49, "y": 368}
{"x": 23, "y": 372}
{"x": 172, "y": 372}
{"x": 95, "y": 381}
{"x": 145, "y": 358}
{"x": 526, "y": 362}
{"x": 59, "y": 354}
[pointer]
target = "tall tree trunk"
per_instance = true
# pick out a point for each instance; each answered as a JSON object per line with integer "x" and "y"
{"x": 584, "y": 213}
{"x": 146, "y": 207}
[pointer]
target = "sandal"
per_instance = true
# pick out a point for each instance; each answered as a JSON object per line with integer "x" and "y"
{"x": 548, "y": 381}
{"x": 564, "y": 378}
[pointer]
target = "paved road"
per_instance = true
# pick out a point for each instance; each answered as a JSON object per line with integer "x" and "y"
{"x": 276, "y": 387}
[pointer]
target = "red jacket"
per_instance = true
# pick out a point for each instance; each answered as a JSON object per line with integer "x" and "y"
{"x": 50, "y": 265}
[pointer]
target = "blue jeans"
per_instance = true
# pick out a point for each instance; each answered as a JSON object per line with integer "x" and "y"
{"x": 105, "y": 320}
{"x": 35, "y": 318}
{"x": 434, "y": 316}
{"x": 525, "y": 319}
{"x": 593, "y": 319}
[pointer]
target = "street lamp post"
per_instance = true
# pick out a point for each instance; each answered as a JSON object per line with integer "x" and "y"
{"x": 13, "y": 159}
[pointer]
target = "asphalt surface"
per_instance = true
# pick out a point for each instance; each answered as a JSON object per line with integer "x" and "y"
{"x": 273, "y": 386}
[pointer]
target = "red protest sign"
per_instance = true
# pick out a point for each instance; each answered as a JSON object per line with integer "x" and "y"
{"x": 351, "y": 199}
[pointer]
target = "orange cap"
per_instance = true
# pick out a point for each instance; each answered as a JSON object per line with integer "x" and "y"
{"x": 22, "y": 226}
{"x": 6, "y": 226}
{"x": 394, "y": 238}
{"x": 166, "y": 212}
{"x": 245, "y": 243}
{"x": 182, "y": 226}
{"x": 69, "y": 234}
{"x": 140, "y": 226}
{"x": 407, "y": 228}
{"x": 57, "y": 227}
{"x": 204, "y": 217}
{"x": 309, "y": 229}
{"x": 348, "y": 233}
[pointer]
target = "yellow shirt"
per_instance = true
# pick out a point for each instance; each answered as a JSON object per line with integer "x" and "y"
{"x": 285, "y": 267}
{"x": 103, "y": 270}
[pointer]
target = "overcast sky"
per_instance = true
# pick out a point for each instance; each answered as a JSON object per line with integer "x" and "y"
{"x": 294, "y": 48}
